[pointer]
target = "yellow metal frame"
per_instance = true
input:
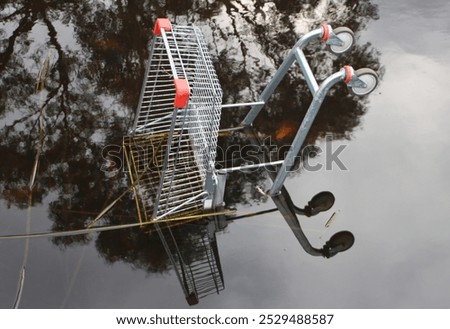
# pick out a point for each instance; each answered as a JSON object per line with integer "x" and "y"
{"x": 152, "y": 162}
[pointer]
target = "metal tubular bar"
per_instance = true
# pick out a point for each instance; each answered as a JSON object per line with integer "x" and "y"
{"x": 169, "y": 54}
{"x": 306, "y": 70}
{"x": 306, "y": 124}
{"x": 152, "y": 123}
{"x": 172, "y": 260}
{"x": 285, "y": 205}
{"x": 175, "y": 161}
{"x": 258, "y": 165}
{"x": 279, "y": 75}
{"x": 165, "y": 163}
{"x": 203, "y": 194}
{"x": 226, "y": 106}
{"x": 138, "y": 208}
{"x": 141, "y": 96}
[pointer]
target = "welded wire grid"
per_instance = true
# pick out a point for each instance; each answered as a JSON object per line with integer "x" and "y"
{"x": 188, "y": 50}
{"x": 204, "y": 108}
{"x": 198, "y": 267}
{"x": 145, "y": 156}
{"x": 182, "y": 141}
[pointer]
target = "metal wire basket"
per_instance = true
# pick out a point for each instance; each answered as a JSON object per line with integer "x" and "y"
{"x": 171, "y": 148}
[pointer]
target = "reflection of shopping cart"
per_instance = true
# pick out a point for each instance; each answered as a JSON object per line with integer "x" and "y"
{"x": 171, "y": 148}
{"x": 197, "y": 266}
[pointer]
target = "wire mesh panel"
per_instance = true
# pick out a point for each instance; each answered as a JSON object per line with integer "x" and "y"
{"x": 172, "y": 145}
{"x": 179, "y": 195}
{"x": 204, "y": 108}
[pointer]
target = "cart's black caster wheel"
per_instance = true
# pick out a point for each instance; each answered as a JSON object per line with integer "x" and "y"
{"x": 370, "y": 80}
{"x": 339, "y": 242}
{"x": 346, "y": 36}
{"x": 322, "y": 201}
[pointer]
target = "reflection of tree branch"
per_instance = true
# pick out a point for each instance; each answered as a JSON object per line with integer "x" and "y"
{"x": 230, "y": 8}
{"x": 10, "y": 127}
{"x": 25, "y": 25}
{"x": 60, "y": 64}
{"x": 243, "y": 14}
{"x": 17, "y": 12}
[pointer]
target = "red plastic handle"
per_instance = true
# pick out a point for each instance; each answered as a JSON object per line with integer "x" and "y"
{"x": 161, "y": 23}
{"x": 181, "y": 93}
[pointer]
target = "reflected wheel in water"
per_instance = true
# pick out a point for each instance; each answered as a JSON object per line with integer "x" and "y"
{"x": 344, "y": 240}
{"x": 322, "y": 201}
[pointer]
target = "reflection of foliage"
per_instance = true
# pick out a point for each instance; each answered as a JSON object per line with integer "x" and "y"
{"x": 98, "y": 55}
{"x": 142, "y": 251}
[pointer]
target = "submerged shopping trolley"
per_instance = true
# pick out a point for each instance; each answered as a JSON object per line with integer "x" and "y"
{"x": 171, "y": 148}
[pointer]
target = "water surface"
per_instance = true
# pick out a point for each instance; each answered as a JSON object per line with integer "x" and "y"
{"x": 393, "y": 196}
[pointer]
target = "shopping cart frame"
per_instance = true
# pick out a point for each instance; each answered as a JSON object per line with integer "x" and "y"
{"x": 210, "y": 190}
{"x": 361, "y": 82}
